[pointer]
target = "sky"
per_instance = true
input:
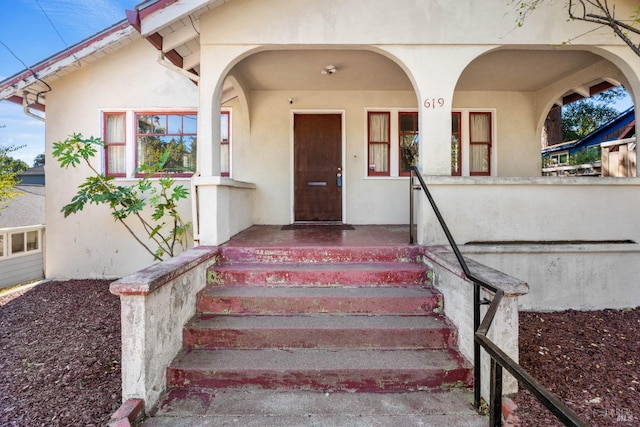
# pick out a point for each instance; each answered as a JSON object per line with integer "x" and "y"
{"x": 30, "y": 29}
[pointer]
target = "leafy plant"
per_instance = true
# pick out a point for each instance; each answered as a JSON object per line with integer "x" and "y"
{"x": 9, "y": 168}
{"x": 165, "y": 229}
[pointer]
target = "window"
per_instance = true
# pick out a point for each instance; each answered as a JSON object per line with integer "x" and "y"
{"x": 559, "y": 159}
{"x": 379, "y": 137}
{"x": 471, "y": 143}
{"x": 136, "y": 138}
{"x": 392, "y": 142}
{"x": 115, "y": 144}
{"x": 225, "y": 143}
{"x": 480, "y": 143}
{"x": 408, "y": 140}
{"x": 173, "y": 132}
{"x": 456, "y": 144}
{"x": 20, "y": 241}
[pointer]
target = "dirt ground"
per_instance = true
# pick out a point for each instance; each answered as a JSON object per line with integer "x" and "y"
{"x": 60, "y": 363}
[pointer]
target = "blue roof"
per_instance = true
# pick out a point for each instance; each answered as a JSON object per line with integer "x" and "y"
{"x": 614, "y": 129}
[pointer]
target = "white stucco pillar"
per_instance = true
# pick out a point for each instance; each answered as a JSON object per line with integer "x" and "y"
{"x": 434, "y": 72}
{"x": 213, "y": 221}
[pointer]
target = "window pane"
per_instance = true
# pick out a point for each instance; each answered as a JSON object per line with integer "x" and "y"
{"x": 480, "y": 127}
{"x": 115, "y": 159}
{"x": 189, "y": 124}
{"x": 32, "y": 240}
{"x": 224, "y": 127}
{"x": 409, "y": 144}
{"x": 479, "y": 161}
{"x": 174, "y": 124}
{"x": 17, "y": 243}
{"x": 1, "y": 245}
{"x": 115, "y": 128}
{"x": 408, "y": 122}
{"x": 378, "y": 127}
{"x": 173, "y": 139}
{"x": 378, "y": 158}
{"x": 455, "y": 155}
{"x": 455, "y": 123}
{"x": 224, "y": 159}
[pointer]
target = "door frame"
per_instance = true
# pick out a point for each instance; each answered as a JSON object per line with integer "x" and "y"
{"x": 343, "y": 156}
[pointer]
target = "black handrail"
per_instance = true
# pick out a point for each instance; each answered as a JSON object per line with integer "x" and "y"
{"x": 499, "y": 359}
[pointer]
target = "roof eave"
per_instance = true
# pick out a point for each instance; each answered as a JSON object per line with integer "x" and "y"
{"x": 14, "y": 85}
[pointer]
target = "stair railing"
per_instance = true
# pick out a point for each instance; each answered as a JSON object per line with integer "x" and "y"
{"x": 499, "y": 359}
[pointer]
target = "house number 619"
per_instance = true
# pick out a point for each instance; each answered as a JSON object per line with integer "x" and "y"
{"x": 434, "y": 103}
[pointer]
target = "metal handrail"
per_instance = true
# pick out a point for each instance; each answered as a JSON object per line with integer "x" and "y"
{"x": 499, "y": 359}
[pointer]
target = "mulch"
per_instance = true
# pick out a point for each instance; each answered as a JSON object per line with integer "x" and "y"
{"x": 589, "y": 359}
{"x": 60, "y": 355}
{"x": 60, "y": 360}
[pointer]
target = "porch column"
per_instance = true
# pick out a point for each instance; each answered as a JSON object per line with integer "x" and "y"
{"x": 434, "y": 71}
{"x": 213, "y": 196}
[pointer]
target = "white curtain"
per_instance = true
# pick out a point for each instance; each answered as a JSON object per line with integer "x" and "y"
{"x": 378, "y": 127}
{"x": 378, "y": 132}
{"x": 115, "y": 135}
{"x": 480, "y": 127}
{"x": 480, "y": 142}
{"x": 479, "y": 161}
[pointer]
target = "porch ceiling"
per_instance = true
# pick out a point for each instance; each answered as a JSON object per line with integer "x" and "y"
{"x": 299, "y": 69}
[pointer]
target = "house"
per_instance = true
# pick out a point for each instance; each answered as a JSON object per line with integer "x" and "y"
{"x": 313, "y": 111}
{"x": 32, "y": 176}
{"x": 22, "y": 235}
{"x": 486, "y": 87}
{"x": 619, "y": 131}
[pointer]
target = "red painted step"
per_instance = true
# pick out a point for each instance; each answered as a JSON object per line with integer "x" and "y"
{"x": 320, "y": 331}
{"x": 330, "y": 300}
{"x": 301, "y": 254}
{"x": 320, "y": 274}
{"x": 319, "y": 369}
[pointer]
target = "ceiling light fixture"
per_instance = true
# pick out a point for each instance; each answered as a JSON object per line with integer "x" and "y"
{"x": 328, "y": 70}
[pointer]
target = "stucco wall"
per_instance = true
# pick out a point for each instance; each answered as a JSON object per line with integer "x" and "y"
{"x": 266, "y": 158}
{"x": 91, "y": 243}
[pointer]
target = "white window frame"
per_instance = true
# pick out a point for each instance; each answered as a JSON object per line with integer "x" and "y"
{"x": 6, "y": 245}
{"x": 465, "y": 137}
{"x": 394, "y": 141}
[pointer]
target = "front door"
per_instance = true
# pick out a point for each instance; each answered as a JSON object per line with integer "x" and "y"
{"x": 317, "y": 141}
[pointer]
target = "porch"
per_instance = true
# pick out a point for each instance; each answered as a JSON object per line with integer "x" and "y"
{"x": 319, "y": 273}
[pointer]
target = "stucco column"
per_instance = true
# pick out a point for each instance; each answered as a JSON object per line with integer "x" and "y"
{"x": 434, "y": 72}
{"x": 213, "y": 222}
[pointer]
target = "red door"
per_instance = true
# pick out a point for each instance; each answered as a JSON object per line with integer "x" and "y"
{"x": 317, "y": 140}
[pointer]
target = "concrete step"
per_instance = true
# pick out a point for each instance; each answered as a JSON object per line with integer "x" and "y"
{"x": 186, "y": 407}
{"x": 294, "y": 254}
{"x": 320, "y": 331}
{"x": 320, "y": 274}
{"x": 331, "y": 300}
{"x": 320, "y": 369}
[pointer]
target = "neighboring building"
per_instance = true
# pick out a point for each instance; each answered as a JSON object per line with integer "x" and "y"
{"x": 32, "y": 176}
{"x": 608, "y": 138}
{"x": 22, "y": 236}
{"x": 257, "y": 86}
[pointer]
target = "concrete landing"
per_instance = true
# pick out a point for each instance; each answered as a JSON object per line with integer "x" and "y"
{"x": 197, "y": 407}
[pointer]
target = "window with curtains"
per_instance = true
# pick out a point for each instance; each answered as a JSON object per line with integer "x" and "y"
{"x": 409, "y": 139}
{"x": 379, "y": 142}
{"x": 480, "y": 143}
{"x": 471, "y": 142}
{"x": 133, "y": 138}
{"x": 115, "y": 144}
